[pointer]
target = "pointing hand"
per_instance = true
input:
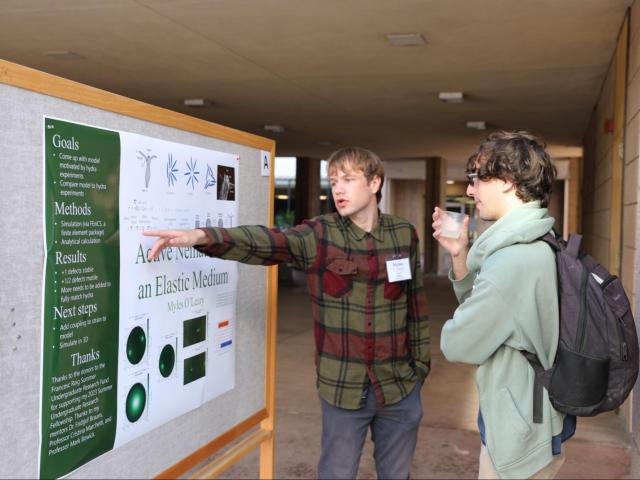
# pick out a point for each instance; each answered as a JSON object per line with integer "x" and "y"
{"x": 174, "y": 238}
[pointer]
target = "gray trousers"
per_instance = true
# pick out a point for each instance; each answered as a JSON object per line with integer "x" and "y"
{"x": 394, "y": 431}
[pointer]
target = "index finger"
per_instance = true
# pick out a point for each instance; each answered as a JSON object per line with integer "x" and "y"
{"x": 162, "y": 233}
{"x": 157, "y": 247}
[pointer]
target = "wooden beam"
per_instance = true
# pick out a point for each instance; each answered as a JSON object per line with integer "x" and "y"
{"x": 212, "y": 447}
{"x": 574, "y": 194}
{"x": 231, "y": 456}
{"x": 617, "y": 167}
{"x": 41, "y": 82}
{"x": 267, "y": 447}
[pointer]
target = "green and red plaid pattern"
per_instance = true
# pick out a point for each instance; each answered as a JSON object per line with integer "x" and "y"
{"x": 366, "y": 328}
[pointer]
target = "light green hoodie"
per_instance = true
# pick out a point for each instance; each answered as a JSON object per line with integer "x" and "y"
{"x": 509, "y": 302}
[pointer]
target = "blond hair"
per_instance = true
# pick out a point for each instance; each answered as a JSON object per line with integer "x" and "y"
{"x": 359, "y": 159}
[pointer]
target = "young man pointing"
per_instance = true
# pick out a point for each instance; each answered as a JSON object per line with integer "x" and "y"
{"x": 369, "y": 311}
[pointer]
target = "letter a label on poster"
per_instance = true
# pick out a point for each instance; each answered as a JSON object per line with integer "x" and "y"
{"x": 128, "y": 343}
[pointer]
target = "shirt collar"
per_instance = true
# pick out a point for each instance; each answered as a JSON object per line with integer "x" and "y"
{"x": 377, "y": 232}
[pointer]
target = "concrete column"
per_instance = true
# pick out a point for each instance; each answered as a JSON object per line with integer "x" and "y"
{"x": 307, "y": 193}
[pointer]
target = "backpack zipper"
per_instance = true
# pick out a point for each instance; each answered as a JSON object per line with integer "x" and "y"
{"x": 624, "y": 349}
{"x": 583, "y": 309}
{"x": 624, "y": 352}
{"x": 607, "y": 281}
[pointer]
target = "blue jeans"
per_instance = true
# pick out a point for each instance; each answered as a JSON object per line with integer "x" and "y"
{"x": 394, "y": 431}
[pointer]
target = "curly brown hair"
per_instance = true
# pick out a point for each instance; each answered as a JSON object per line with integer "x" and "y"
{"x": 517, "y": 157}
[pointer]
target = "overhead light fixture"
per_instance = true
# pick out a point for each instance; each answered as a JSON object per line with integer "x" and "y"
{"x": 405, "y": 39}
{"x": 323, "y": 198}
{"x": 63, "y": 55}
{"x": 197, "y": 102}
{"x": 274, "y": 128}
{"x": 282, "y": 197}
{"x": 451, "y": 97}
{"x": 477, "y": 125}
{"x": 450, "y": 182}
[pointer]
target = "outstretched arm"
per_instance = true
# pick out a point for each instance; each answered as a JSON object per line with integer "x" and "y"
{"x": 254, "y": 244}
{"x": 174, "y": 238}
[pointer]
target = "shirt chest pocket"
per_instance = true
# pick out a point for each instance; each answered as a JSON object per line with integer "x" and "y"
{"x": 393, "y": 290}
{"x": 337, "y": 280}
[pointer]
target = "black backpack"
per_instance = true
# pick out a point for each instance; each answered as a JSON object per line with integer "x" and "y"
{"x": 596, "y": 364}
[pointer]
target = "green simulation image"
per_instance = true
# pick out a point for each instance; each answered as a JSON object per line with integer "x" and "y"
{"x": 195, "y": 368}
{"x": 136, "y": 345}
{"x": 167, "y": 360}
{"x": 194, "y": 331}
{"x": 136, "y": 401}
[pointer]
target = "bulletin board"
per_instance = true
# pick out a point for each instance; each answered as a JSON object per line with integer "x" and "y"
{"x": 62, "y": 184}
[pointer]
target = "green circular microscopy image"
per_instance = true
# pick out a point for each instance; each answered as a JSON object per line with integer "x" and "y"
{"x": 136, "y": 401}
{"x": 167, "y": 360}
{"x": 136, "y": 345}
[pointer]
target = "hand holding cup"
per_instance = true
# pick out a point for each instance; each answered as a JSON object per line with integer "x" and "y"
{"x": 451, "y": 229}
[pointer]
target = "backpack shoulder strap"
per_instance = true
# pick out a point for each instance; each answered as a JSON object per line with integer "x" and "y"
{"x": 572, "y": 246}
{"x": 551, "y": 239}
{"x": 542, "y": 379}
{"x": 542, "y": 376}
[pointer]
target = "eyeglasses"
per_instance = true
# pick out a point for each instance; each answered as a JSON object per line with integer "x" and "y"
{"x": 472, "y": 179}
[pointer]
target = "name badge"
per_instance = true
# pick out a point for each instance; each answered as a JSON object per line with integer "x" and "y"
{"x": 398, "y": 270}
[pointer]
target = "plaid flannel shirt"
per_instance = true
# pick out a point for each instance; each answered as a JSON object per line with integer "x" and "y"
{"x": 366, "y": 328}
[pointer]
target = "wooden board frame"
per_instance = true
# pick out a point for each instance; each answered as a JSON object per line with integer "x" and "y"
{"x": 40, "y": 82}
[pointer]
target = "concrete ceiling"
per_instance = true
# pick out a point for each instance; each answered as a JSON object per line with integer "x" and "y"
{"x": 325, "y": 70}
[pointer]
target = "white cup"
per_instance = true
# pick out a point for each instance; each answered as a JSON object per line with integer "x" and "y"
{"x": 451, "y": 223}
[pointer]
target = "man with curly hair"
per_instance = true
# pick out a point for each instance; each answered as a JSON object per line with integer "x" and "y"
{"x": 507, "y": 289}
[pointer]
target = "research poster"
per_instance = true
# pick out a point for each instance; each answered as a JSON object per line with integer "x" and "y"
{"x": 128, "y": 343}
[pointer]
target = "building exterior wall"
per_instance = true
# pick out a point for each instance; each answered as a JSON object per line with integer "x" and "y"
{"x": 600, "y": 188}
{"x": 631, "y": 254}
{"x": 596, "y": 186}
{"x": 630, "y": 262}
{"x": 600, "y": 151}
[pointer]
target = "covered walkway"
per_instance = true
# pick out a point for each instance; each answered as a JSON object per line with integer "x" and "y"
{"x": 448, "y": 444}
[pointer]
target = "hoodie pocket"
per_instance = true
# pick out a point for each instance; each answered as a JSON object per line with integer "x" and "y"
{"x": 512, "y": 416}
{"x": 507, "y": 434}
{"x": 337, "y": 280}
